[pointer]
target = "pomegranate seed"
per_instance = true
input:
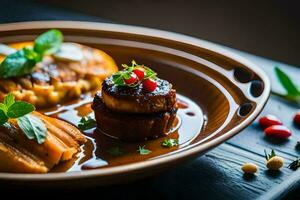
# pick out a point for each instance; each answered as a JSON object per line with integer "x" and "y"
{"x": 269, "y": 120}
{"x": 140, "y": 72}
{"x": 131, "y": 80}
{"x": 278, "y": 131}
{"x": 297, "y": 119}
{"x": 149, "y": 84}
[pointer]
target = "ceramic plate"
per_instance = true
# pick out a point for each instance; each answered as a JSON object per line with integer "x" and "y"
{"x": 221, "y": 94}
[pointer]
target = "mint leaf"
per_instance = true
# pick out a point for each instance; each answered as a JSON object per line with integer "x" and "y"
{"x": 48, "y": 42}
{"x": 19, "y": 109}
{"x": 9, "y": 100}
{"x": 16, "y": 64}
{"x": 3, "y": 107}
{"x": 143, "y": 151}
{"x": 32, "y": 55}
{"x": 33, "y": 127}
{"x": 3, "y": 117}
{"x": 287, "y": 83}
{"x": 169, "y": 143}
{"x": 86, "y": 123}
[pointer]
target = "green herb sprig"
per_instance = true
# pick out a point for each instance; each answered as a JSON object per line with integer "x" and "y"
{"x": 23, "y": 61}
{"x": 168, "y": 143}
{"x": 86, "y": 123}
{"x": 269, "y": 156}
{"x": 143, "y": 151}
{"x": 292, "y": 91}
{"x": 295, "y": 164}
{"x": 32, "y": 126}
{"x": 118, "y": 78}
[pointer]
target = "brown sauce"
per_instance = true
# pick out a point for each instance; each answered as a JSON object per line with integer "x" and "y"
{"x": 102, "y": 151}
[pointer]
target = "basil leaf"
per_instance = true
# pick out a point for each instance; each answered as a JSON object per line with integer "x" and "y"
{"x": 287, "y": 83}
{"x": 86, "y": 123}
{"x": 19, "y": 109}
{"x": 3, "y": 107}
{"x": 16, "y": 64}
{"x": 48, "y": 42}
{"x": 3, "y": 117}
{"x": 9, "y": 100}
{"x": 32, "y": 55}
{"x": 33, "y": 127}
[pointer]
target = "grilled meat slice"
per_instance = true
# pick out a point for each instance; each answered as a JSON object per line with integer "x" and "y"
{"x": 19, "y": 154}
{"x": 136, "y": 99}
{"x": 54, "y": 80}
{"x": 132, "y": 126}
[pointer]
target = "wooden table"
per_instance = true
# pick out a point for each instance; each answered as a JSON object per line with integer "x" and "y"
{"x": 217, "y": 174}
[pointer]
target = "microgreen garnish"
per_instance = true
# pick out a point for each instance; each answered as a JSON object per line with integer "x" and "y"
{"x": 292, "y": 91}
{"x": 143, "y": 151}
{"x": 269, "y": 156}
{"x": 32, "y": 126}
{"x": 115, "y": 151}
{"x": 295, "y": 164}
{"x": 122, "y": 75}
{"x": 168, "y": 143}
{"x": 23, "y": 61}
{"x": 86, "y": 123}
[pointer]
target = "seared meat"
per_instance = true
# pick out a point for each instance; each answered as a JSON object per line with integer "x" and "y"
{"x": 54, "y": 80}
{"x": 136, "y": 99}
{"x": 132, "y": 126}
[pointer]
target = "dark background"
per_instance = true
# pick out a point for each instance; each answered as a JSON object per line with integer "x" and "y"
{"x": 266, "y": 28}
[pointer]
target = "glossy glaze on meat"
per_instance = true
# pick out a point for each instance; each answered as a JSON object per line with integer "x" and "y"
{"x": 136, "y": 99}
{"x": 132, "y": 126}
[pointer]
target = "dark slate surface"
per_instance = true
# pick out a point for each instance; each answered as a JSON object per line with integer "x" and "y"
{"x": 217, "y": 174}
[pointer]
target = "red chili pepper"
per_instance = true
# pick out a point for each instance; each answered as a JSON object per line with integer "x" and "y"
{"x": 149, "y": 84}
{"x": 140, "y": 72}
{"x": 131, "y": 80}
{"x": 278, "y": 131}
{"x": 297, "y": 119}
{"x": 269, "y": 120}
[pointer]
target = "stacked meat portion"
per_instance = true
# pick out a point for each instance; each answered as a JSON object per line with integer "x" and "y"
{"x": 134, "y": 114}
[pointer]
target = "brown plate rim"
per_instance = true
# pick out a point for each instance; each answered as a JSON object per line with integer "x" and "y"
{"x": 151, "y": 33}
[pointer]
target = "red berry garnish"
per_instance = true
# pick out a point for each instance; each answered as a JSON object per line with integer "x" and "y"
{"x": 149, "y": 84}
{"x": 131, "y": 80}
{"x": 140, "y": 72}
{"x": 278, "y": 131}
{"x": 269, "y": 120}
{"x": 297, "y": 119}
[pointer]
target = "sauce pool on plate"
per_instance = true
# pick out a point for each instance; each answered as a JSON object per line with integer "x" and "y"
{"x": 103, "y": 151}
